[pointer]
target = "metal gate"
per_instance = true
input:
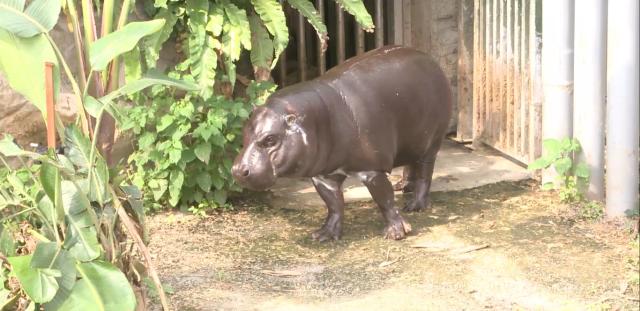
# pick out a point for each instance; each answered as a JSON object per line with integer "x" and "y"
{"x": 507, "y": 101}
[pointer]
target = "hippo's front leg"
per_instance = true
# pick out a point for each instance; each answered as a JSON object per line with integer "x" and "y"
{"x": 330, "y": 190}
{"x": 382, "y": 192}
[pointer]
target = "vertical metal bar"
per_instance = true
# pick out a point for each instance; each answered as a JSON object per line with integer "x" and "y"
{"x": 535, "y": 81}
{"x": 302, "y": 51}
{"x": 282, "y": 65}
{"x": 495, "y": 96}
{"x": 340, "y": 34}
{"x": 517, "y": 79}
{"x": 524, "y": 86}
{"x": 465, "y": 70}
{"x": 397, "y": 22}
{"x": 379, "y": 24}
{"x": 509, "y": 85}
{"x": 478, "y": 71}
{"x": 623, "y": 111}
{"x": 589, "y": 90}
{"x": 488, "y": 63}
{"x": 407, "y": 30}
{"x": 322, "y": 61}
{"x": 502, "y": 79}
{"x": 50, "y": 108}
{"x": 359, "y": 39}
{"x": 557, "y": 71}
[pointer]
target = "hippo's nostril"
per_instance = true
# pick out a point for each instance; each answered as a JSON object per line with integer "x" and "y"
{"x": 245, "y": 172}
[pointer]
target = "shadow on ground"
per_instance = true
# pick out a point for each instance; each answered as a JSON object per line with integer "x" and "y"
{"x": 500, "y": 246}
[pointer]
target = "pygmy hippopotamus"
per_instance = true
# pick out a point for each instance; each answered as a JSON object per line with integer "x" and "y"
{"x": 386, "y": 108}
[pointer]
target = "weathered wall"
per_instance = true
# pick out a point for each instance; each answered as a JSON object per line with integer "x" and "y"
{"x": 432, "y": 26}
{"x": 23, "y": 120}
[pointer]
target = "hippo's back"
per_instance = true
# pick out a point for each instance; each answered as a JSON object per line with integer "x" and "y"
{"x": 400, "y": 100}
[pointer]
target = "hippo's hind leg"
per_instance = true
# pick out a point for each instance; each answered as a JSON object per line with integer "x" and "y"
{"x": 382, "y": 192}
{"x": 406, "y": 184}
{"x": 422, "y": 173}
{"x": 330, "y": 190}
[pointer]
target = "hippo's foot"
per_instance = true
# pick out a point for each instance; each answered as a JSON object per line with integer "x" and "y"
{"x": 417, "y": 205}
{"x": 405, "y": 186}
{"x": 327, "y": 232}
{"x": 397, "y": 230}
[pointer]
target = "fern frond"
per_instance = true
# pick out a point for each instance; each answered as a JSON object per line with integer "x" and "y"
{"x": 306, "y": 8}
{"x": 272, "y": 16}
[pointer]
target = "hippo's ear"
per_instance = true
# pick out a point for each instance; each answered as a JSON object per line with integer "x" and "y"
{"x": 291, "y": 119}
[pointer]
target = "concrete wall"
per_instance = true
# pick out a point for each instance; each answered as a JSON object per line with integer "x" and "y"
{"x": 432, "y": 26}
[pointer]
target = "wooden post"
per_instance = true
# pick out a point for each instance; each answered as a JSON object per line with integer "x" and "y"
{"x": 465, "y": 70}
{"x": 51, "y": 110}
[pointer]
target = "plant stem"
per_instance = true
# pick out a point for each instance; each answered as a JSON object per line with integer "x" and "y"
{"x": 128, "y": 224}
{"x": 92, "y": 154}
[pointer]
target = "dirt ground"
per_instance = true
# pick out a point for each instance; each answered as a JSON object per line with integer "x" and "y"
{"x": 496, "y": 247}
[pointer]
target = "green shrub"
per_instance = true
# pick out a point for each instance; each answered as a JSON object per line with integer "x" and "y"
{"x": 186, "y": 144}
{"x": 184, "y": 157}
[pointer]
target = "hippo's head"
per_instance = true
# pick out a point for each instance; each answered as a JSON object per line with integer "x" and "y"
{"x": 276, "y": 143}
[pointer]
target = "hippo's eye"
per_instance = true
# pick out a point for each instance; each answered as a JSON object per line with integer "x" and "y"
{"x": 269, "y": 141}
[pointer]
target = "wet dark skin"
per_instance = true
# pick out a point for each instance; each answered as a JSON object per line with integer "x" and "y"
{"x": 387, "y": 108}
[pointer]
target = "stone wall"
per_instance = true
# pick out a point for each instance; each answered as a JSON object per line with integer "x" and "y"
{"x": 20, "y": 118}
{"x": 432, "y": 26}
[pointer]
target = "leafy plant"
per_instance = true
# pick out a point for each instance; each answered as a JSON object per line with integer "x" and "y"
{"x": 184, "y": 158}
{"x": 82, "y": 218}
{"x": 186, "y": 142}
{"x": 572, "y": 177}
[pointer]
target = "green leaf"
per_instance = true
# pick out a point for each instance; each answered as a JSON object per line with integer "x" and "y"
{"x": 261, "y": 45}
{"x": 27, "y": 77}
{"x": 176, "y": 181}
{"x": 45, "y": 255}
{"x": 148, "y": 80}
{"x": 358, "y": 10}
{"x": 582, "y": 170}
{"x": 94, "y": 107}
{"x": 105, "y": 49}
{"x": 272, "y": 15}
{"x": 216, "y": 20}
{"x": 132, "y": 65}
{"x": 51, "y": 183}
{"x": 146, "y": 140}
{"x": 306, "y": 8}
{"x": 158, "y": 188}
{"x": 101, "y": 287}
{"x": 79, "y": 152}
{"x": 39, "y": 17}
{"x": 203, "y": 152}
{"x": 204, "y": 64}
{"x": 236, "y": 32}
{"x": 552, "y": 147}
{"x": 220, "y": 197}
{"x": 66, "y": 265}
{"x": 9, "y": 149}
{"x": 81, "y": 240}
{"x": 563, "y": 166}
{"x": 204, "y": 181}
{"x": 539, "y": 163}
{"x": 547, "y": 186}
{"x": 7, "y": 244}
{"x": 39, "y": 286}
{"x": 153, "y": 43}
